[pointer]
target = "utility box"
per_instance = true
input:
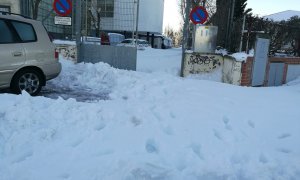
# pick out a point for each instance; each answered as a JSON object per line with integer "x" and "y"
{"x": 205, "y": 39}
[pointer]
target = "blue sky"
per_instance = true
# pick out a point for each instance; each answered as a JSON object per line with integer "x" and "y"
{"x": 260, "y": 7}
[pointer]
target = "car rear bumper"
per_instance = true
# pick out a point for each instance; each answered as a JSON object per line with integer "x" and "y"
{"x": 52, "y": 70}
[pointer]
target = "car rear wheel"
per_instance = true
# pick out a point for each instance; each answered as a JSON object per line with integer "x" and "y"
{"x": 28, "y": 80}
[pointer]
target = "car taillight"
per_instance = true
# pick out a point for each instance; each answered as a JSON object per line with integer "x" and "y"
{"x": 56, "y": 55}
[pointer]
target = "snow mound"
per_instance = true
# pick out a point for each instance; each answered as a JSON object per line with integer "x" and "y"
{"x": 242, "y": 56}
{"x": 99, "y": 77}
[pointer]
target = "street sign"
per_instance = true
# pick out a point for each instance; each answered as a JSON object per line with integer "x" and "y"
{"x": 62, "y": 7}
{"x": 198, "y": 15}
{"x": 63, "y": 20}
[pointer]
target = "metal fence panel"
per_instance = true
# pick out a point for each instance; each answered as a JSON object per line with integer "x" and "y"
{"x": 276, "y": 74}
{"x": 293, "y": 72}
{"x": 117, "y": 56}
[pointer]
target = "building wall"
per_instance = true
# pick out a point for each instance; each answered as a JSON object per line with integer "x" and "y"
{"x": 150, "y": 16}
{"x": 13, "y": 4}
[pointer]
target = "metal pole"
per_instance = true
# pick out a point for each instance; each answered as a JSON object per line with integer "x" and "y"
{"x": 242, "y": 35}
{"x": 185, "y": 34}
{"x": 133, "y": 18}
{"x": 86, "y": 19}
{"x": 137, "y": 21}
{"x": 231, "y": 23}
{"x": 78, "y": 29}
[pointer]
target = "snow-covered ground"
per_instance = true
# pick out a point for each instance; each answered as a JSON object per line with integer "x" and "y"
{"x": 152, "y": 125}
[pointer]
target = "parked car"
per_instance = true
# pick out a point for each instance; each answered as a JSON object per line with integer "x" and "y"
{"x": 141, "y": 44}
{"x": 27, "y": 56}
{"x": 115, "y": 38}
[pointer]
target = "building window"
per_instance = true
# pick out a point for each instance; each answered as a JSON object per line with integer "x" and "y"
{"x": 5, "y": 8}
{"x": 106, "y": 8}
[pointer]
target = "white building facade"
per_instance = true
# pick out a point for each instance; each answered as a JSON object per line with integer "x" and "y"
{"x": 12, "y": 6}
{"x": 124, "y": 16}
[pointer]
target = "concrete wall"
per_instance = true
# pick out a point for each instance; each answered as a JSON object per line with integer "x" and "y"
{"x": 195, "y": 63}
{"x": 232, "y": 71}
{"x": 13, "y": 4}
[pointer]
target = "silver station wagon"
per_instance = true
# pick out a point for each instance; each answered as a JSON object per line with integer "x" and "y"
{"x": 27, "y": 56}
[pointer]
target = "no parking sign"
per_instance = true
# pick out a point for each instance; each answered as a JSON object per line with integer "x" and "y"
{"x": 198, "y": 15}
{"x": 62, "y": 7}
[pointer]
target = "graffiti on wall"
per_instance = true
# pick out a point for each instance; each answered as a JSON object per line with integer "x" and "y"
{"x": 195, "y": 63}
{"x": 206, "y": 60}
{"x": 67, "y": 52}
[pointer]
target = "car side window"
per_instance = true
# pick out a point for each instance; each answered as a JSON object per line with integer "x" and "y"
{"x": 6, "y": 36}
{"x": 25, "y": 31}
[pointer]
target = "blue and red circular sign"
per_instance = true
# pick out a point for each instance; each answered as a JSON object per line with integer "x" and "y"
{"x": 62, "y": 7}
{"x": 199, "y": 15}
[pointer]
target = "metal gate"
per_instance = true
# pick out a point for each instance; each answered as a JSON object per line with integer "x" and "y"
{"x": 276, "y": 74}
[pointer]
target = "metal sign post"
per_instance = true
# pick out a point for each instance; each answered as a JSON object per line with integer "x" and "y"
{"x": 78, "y": 29}
{"x": 185, "y": 35}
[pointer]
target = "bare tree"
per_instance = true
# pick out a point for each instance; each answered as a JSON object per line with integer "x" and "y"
{"x": 176, "y": 36}
{"x": 35, "y": 8}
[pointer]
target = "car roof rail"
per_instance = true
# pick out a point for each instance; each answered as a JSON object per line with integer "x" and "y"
{"x": 9, "y": 13}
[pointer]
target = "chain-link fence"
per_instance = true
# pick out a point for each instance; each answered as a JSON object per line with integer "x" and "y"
{"x": 98, "y": 18}
{"x": 104, "y": 18}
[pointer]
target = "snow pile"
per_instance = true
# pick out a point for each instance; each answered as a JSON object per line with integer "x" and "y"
{"x": 221, "y": 51}
{"x": 155, "y": 126}
{"x": 242, "y": 56}
{"x": 162, "y": 61}
{"x": 97, "y": 77}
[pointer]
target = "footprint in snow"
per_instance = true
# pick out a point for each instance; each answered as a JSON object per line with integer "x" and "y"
{"x": 263, "y": 159}
{"x": 284, "y": 150}
{"x": 226, "y": 123}
{"x": 168, "y": 130}
{"x": 23, "y": 156}
{"x": 99, "y": 127}
{"x": 218, "y": 135}
{"x": 226, "y": 120}
{"x": 64, "y": 176}
{"x": 151, "y": 146}
{"x": 197, "y": 150}
{"x": 136, "y": 121}
{"x": 251, "y": 124}
{"x": 283, "y": 136}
